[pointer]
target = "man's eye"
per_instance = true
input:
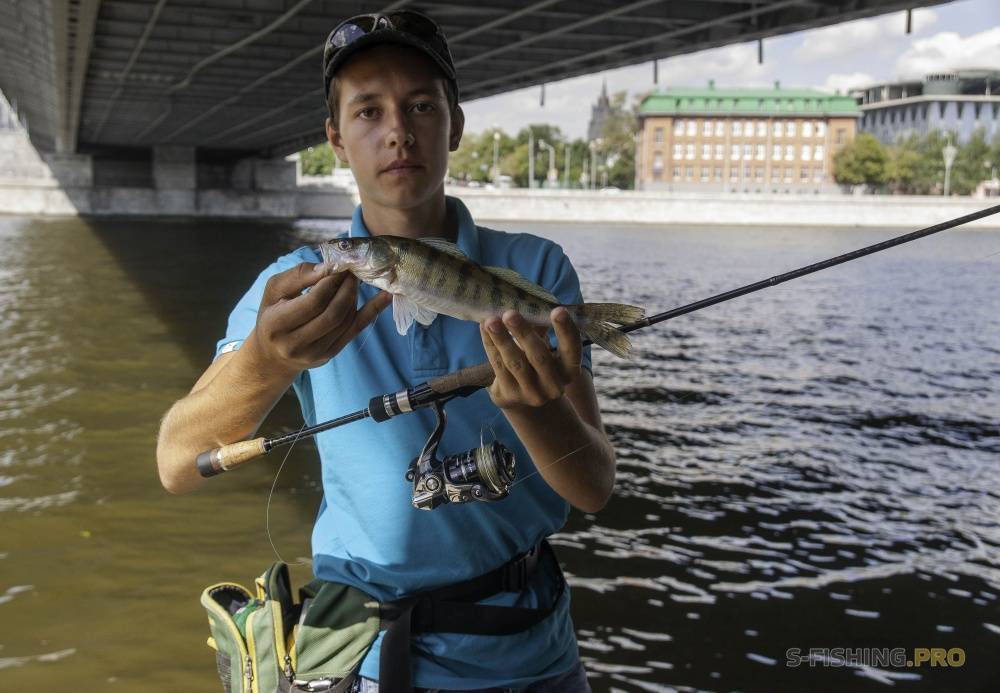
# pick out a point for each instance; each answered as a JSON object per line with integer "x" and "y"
{"x": 367, "y": 113}
{"x": 423, "y": 107}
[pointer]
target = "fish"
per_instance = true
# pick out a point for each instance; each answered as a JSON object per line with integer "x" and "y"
{"x": 432, "y": 276}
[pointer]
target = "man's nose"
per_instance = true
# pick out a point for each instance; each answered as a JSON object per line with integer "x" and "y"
{"x": 398, "y": 132}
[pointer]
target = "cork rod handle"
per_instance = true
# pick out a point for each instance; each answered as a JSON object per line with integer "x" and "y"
{"x": 480, "y": 375}
{"x": 227, "y": 457}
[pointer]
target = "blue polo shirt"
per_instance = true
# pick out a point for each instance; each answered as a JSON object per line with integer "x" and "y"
{"x": 367, "y": 533}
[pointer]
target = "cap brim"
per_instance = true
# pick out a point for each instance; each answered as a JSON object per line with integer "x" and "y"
{"x": 384, "y": 36}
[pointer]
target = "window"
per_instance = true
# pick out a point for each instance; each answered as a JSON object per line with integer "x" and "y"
{"x": 720, "y": 128}
{"x": 658, "y": 161}
{"x": 689, "y": 151}
{"x": 678, "y": 127}
{"x": 737, "y": 128}
{"x": 818, "y": 175}
{"x": 748, "y": 128}
{"x": 734, "y": 173}
{"x": 734, "y": 152}
{"x": 788, "y": 174}
{"x": 776, "y": 152}
{"x": 677, "y": 172}
{"x": 760, "y": 152}
{"x": 747, "y": 151}
{"x": 678, "y": 151}
{"x": 657, "y": 175}
{"x": 807, "y": 129}
{"x": 840, "y": 135}
{"x": 658, "y": 136}
{"x": 689, "y": 173}
{"x": 806, "y": 152}
{"x": 820, "y": 129}
{"x": 779, "y": 128}
{"x": 692, "y": 127}
{"x": 761, "y": 128}
{"x": 818, "y": 155}
{"x": 704, "y": 174}
{"x": 706, "y": 151}
{"x": 804, "y": 175}
{"x": 720, "y": 152}
{"x": 790, "y": 128}
{"x": 776, "y": 173}
{"x": 747, "y": 172}
{"x": 789, "y": 152}
{"x": 718, "y": 173}
{"x": 706, "y": 128}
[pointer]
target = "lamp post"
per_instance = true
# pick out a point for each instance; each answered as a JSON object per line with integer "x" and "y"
{"x": 949, "y": 153}
{"x": 552, "y": 176}
{"x": 566, "y": 151}
{"x": 496, "y": 157}
{"x": 594, "y": 145}
{"x": 531, "y": 158}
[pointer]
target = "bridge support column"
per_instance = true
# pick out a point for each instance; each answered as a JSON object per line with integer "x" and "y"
{"x": 175, "y": 178}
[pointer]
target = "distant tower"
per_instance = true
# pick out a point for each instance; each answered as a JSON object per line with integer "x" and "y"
{"x": 599, "y": 113}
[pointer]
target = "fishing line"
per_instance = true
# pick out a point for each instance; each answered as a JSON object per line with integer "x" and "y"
{"x": 267, "y": 509}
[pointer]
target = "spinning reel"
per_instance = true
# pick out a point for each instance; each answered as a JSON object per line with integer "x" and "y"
{"x": 484, "y": 473}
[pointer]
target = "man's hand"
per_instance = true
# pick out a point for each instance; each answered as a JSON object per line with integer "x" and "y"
{"x": 528, "y": 373}
{"x": 296, "y": 330}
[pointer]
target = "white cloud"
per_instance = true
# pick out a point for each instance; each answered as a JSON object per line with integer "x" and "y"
{"x": 845, "y": 82}
{"x": 949, "y": 51}
{"x": 862, "y": 34}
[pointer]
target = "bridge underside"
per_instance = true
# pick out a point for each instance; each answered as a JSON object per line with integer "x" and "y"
{"x": 242, "y": 77}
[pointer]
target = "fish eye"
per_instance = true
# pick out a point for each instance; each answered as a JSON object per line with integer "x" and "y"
{"x": 344, "y": 244}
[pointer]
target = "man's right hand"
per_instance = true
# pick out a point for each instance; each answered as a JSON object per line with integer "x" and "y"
{"x": 296, "y": 331}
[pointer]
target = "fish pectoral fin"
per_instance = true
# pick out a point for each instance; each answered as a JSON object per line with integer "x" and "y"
{"x": 445, "y": 247}
{"x": 512, "y": 277}
{"x": 405, "y": 311}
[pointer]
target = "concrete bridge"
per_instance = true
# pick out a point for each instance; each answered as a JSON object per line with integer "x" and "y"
{"x": 185, "y": 94}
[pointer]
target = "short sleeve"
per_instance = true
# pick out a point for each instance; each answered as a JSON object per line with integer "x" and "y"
{"x": 243, "y": 318}
{"x": 559, "y": 278}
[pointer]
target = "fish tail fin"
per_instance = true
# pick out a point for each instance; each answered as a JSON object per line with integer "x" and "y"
{"x": 597, "y": 323}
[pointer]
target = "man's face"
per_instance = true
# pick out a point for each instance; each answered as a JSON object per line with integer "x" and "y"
{"x": 395, "y": 129}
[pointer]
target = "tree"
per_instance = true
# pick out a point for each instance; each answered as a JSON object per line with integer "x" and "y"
{"x": 862, "y": 162}
{"x": 317, "y": 160}
{"x": 970, "y": 167}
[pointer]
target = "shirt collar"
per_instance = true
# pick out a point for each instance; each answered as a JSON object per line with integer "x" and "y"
{"x": 468, "y": 232}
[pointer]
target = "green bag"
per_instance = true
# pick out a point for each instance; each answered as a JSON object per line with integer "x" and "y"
{"x": 269, "y": 645}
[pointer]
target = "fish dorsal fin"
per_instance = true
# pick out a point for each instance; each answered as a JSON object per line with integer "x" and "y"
{"x": 445, "y": 247}
{"x": 509, "y": 275}
{"x": 405, "y": 311}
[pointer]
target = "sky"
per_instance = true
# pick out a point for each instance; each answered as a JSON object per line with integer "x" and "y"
{"x": 843, "y": 56}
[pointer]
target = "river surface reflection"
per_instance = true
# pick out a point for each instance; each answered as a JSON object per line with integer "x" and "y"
{"x": 812, "y": 466}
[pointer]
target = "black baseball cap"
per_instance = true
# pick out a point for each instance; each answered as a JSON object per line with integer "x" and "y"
{"x": 403, "y": 27}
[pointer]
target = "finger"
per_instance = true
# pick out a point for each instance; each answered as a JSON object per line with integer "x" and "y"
{"x": 503, "y": 381}
{"x": 513, "y": 357}
{"x": 570, "y": 346}
{"x": 291, "y": 313}
{"x": 336, "y": 315}
{"x": 547, "y": 372}
{"x": 291, "y": 282}
{"x": 362, "y": 319}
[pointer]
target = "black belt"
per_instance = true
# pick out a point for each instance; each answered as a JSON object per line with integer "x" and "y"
{"x": 453, "y": 609}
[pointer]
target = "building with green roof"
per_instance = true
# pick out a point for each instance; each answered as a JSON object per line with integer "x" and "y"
{"x": 742, "y": 140}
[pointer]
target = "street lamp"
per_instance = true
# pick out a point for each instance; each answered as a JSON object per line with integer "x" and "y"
{"x": 551, "y": 176}
{"x": 949, "y": 158}
{"x": 531, "y": 158}
{"x": 594, "y": 146}
{"x": 496, "y": 158}
{"x": 566, "y": 150}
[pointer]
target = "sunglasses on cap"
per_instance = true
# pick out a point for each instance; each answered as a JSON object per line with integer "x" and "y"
{"x": 405, "y": 27}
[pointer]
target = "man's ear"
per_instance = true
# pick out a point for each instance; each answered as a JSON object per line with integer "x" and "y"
{"x": 457, "y": 128}
{"x": 335, "y": 140}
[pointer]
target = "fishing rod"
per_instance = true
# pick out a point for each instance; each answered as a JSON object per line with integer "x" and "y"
{"x": 485, "y": 473}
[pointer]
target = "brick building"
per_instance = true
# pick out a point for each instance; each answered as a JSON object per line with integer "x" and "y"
{"x": 742, "y": 140}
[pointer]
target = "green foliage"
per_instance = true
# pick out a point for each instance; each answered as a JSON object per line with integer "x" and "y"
{"x": 862, "y": 162}
{"x": 317, "y": 160}
{"x": 915, "y": 165}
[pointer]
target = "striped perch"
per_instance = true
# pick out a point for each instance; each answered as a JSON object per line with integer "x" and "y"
{"x": 431, "y": 276}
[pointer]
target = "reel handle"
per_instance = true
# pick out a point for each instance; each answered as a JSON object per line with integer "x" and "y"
{"x": 227, "y": 457}
{"x": 480, "y": 375}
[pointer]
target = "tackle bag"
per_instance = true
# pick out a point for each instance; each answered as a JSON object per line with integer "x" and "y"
{"x": 272, "y": 643}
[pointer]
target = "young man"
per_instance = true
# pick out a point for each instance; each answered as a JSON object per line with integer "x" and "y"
{"x": 393, "y": 102}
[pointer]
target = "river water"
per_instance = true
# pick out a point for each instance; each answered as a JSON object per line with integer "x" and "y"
{"x": 813, "y": 466}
